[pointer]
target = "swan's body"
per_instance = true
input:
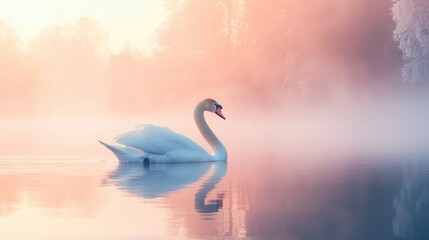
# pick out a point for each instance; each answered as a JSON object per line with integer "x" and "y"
{"x": 160, "y": 144}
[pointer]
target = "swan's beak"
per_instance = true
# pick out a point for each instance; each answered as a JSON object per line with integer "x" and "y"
{"x": 219, "y": 113}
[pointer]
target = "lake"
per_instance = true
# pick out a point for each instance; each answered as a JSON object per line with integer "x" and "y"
{"x": 267, "y": 196}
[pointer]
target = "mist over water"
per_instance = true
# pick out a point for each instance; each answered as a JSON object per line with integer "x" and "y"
{"x": 384, "y": 127}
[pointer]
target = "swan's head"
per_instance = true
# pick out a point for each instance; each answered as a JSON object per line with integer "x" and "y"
{"x": 213, "y": 106}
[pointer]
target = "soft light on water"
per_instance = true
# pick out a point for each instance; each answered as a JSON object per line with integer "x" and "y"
{"x": 265, "y": 197}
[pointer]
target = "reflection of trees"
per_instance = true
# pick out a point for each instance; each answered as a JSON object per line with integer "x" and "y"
{"x": 295, "y": 199}
{"x": 57, "y": 193}
{"x": 411, "y": 219}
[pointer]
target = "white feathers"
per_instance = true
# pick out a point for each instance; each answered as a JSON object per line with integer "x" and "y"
{"x": 160, "y": 144}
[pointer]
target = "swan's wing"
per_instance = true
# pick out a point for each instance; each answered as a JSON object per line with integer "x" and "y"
{"x": 157, "y": 140}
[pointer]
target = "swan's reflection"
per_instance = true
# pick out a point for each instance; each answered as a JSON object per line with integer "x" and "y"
{"x": 411, "y": 219}
{"x": 158, "y": 180}
{"x": 200, "y": 197}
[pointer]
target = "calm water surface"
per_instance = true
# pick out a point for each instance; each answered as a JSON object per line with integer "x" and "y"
{"x": 265, "y": 197}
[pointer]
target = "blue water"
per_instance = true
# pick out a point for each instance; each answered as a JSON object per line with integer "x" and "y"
{"x": 258, "y": 197}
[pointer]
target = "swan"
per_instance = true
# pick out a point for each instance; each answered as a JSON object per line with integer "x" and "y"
{"x": 155, "y": 144}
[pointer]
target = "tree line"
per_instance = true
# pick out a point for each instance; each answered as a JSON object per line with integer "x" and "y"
{"x": 249, "y": 50}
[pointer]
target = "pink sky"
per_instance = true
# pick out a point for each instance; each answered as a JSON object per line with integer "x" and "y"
{"x": 130, "y": 22}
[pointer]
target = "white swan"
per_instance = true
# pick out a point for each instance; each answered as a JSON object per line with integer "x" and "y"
{"x": 161, "y": 145}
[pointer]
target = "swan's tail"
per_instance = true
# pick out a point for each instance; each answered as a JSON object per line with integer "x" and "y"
{"x": 126, "y": 154}
{"x": 110, "y": 147}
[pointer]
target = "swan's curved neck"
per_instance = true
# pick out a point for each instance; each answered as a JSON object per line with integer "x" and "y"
{"x": 218, "y": 148}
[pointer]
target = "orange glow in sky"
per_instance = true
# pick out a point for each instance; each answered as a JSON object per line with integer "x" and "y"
{"x": 128, "y": 23}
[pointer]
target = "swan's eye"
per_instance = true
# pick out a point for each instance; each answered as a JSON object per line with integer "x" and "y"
{"x": 217, "y": 106}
